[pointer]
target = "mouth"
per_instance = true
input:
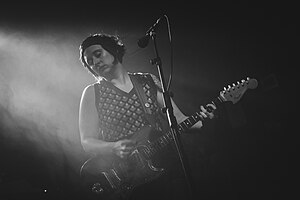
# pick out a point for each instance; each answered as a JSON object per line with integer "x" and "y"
{"x": 100, "y": 68}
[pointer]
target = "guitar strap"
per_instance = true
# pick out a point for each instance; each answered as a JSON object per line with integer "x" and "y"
{"x": 142, "y": 96}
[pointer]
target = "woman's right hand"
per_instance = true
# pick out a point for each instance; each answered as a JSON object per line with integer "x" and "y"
{"x": 123, "y": 148}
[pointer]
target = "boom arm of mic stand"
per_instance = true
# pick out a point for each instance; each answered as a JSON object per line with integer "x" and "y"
{"x": 171, "y": 118}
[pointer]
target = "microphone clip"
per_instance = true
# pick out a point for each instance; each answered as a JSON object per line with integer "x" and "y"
{"x": 152, "y": 29}
{"x": 143, "y": 42}
{"x": 155, "y": 61}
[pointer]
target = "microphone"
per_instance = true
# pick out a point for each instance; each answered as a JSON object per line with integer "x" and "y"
{"x": 143, "y": 41}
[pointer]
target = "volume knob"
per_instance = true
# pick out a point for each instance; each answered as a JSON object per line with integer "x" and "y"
{"x": 97, "y": 188}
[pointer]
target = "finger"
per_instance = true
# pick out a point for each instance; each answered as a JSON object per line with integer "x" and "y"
{"x": 210, "y": 107}
{"x": 210, "y": 115}
{"x": 128, "y": 142}
{"x": 120, "y": 154}
{"x": 123, "y": 154}
{"x": 203, "y": 114}
{"x": 128, "y": 148}
{"x": 213, "y": 106}
{"x": 123, "y": 147}
{"x": 125, "y": 141}
{"x": 203, "y": 109}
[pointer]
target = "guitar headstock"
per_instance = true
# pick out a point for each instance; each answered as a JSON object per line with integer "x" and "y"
{"x": 235, "y": 92}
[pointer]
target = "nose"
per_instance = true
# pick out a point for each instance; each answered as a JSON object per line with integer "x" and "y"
{"x": 95, "y": 61}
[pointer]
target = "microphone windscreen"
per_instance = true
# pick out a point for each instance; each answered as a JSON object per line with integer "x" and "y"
{"x": 143, "y": 42}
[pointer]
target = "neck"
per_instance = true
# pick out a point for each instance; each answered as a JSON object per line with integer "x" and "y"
{"x": 123, "y": 82}
{"x": 120, "y": 75}
{"x": 122, "y": 78}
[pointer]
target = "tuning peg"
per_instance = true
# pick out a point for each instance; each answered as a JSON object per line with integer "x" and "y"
{"x": 238, "y": 82}
{"x": 243, "y": 82}
{"x": 248, "y": 78}
{"x": 233, "y": 86}
{"x": 225, "y": 89}
{"x": 228, "y": 87}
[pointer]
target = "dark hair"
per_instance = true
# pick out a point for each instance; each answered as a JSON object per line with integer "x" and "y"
{"x": 110, "y": 43}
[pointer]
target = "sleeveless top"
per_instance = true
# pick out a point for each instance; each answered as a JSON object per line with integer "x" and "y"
{"x": 120, "y": 113}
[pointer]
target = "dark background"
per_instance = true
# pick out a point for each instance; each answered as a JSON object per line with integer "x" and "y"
{"x": 247, "y": 152}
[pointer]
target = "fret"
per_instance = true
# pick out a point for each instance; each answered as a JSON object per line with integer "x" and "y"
{"x": 169, "y": 135}
{"x": 188, "y": 122}
{"x": 166, "y": 141}
{"x": 200, "y": 116}
{"x": 186, "y": 126}
{"x": 217, "y": 101}
{"x": 156, "y": 145}
{"x": 194, "y": 120}
{"x": 162, "y": 142}
{"x": 196, "y": 117}
{"x": 146, "y": 152}
{"x": 180, "y": 128}
{"x": 152, "y": 150}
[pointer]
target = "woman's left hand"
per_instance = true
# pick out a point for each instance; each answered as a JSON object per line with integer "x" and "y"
{"x": 208, "y": 111}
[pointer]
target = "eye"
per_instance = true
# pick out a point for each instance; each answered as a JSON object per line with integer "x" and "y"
{"x": 98, "y": 54}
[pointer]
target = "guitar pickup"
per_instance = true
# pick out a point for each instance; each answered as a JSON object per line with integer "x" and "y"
{"x": 113, "y": 178}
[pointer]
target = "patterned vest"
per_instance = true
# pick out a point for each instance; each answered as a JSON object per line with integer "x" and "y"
{"x": 120, "y": 113}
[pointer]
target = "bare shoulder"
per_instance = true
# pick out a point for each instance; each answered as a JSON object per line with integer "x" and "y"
{"x": 88, "y": 89}
{"x": 88, "y": 93}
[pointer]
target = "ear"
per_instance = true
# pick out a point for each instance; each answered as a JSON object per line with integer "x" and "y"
{"x": 116, "y": 60}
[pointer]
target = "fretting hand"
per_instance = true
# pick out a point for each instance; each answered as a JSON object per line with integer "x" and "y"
{"x": 208, "y": 111}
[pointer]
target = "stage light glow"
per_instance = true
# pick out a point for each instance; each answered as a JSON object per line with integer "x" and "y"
{"x": 41, "y": 80}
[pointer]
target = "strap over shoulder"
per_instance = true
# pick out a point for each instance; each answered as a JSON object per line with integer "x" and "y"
{"x": 158, "y": 119}
{"x": 142, "y": 96}
{"x": 149, "y": 78}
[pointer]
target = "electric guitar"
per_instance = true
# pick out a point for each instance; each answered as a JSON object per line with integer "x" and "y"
{"x": 114, "y": 178}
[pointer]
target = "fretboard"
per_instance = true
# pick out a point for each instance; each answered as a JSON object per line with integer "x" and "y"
{"x": 166, "y": 138}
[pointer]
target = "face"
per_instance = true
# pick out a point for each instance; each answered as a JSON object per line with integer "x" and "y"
{"x": 99, "y": 60}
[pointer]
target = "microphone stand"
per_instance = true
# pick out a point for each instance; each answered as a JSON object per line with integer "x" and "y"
{"x": 168, "y": 109}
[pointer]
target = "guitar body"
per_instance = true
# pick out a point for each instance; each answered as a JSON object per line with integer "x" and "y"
{"x": 113, "y": 177}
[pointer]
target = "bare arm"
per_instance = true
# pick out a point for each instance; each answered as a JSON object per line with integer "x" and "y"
{"x": 88, "y": 124}
{"x": 89, "y": 128}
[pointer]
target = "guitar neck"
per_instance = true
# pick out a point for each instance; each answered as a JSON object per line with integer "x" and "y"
{"x": 165, "y": 139}
{"x": 194, "y": 118}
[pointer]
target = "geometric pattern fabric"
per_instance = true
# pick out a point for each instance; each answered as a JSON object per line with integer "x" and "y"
{"x": 120, "y": 113}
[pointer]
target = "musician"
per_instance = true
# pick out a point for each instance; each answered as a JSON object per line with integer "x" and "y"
{"x": 111, "y": 110}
